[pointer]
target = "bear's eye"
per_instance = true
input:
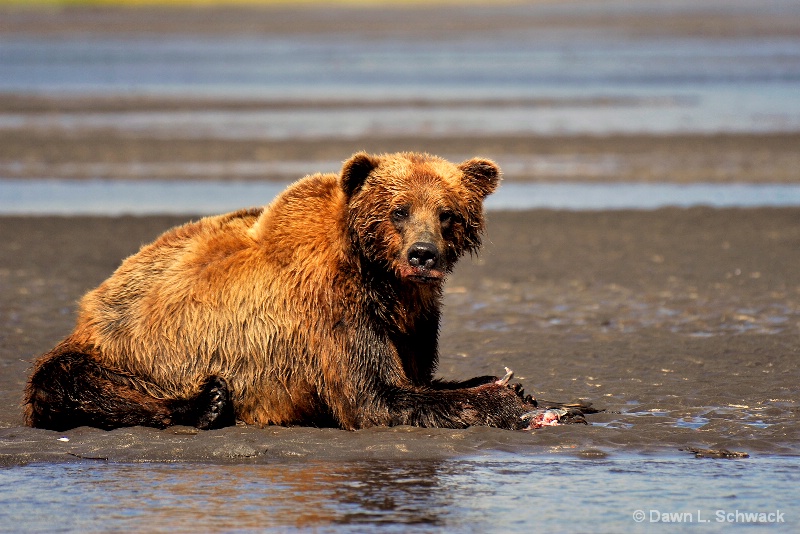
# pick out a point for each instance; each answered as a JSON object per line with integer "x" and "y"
{"x": 446, "y": 218}
{"x": 399, "y": 214}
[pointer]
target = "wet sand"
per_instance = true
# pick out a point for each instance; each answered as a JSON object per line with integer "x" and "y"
{"x": 720, "y": 158}
{"x": 681, "y": 324}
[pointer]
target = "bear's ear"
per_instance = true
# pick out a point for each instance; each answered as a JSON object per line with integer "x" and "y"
{"x": 480, "y": 176}
{"x": 355, "y": 172}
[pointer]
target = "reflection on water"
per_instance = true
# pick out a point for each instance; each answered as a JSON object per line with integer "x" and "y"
{"x": 113, "y": 197}
{"x": 720, "y": 109}
{"x": 496, "y": 63}
{"x": 573, "y": 78}
{"x": 494, "y": 493}
{"x": 633, "y": 83}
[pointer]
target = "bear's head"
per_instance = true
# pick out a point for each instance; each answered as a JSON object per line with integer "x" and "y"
{"x": 414, "y": 215}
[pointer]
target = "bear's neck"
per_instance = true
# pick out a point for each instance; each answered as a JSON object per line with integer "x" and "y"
{"x": 401, "y": 305}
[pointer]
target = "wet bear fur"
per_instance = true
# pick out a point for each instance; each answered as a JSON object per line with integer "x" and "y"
{"x": 320, "y": 309}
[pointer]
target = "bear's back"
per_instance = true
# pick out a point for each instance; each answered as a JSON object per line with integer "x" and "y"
{"x": 214, "y": 291}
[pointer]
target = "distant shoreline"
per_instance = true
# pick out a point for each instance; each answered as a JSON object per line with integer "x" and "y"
{"x": 386, "y": 18}
{"x": 227, "y": 4}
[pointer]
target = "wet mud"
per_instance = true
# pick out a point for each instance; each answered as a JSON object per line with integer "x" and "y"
{"x": 680, "y": 323}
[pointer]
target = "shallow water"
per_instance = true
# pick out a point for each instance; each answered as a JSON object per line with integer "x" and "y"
{"x": 754, "y": 108}
{"x": 490, "y": 493}
{"x": 568, "y": 80}
{"x": 115, "y": 197}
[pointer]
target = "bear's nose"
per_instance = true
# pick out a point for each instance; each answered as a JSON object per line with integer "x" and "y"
{"x": 423, "y": 255}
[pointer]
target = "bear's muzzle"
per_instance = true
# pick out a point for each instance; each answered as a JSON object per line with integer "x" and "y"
{"x": 424, "y": 258}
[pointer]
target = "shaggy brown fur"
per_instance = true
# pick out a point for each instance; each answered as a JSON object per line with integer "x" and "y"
{"x": 322, "y": 308}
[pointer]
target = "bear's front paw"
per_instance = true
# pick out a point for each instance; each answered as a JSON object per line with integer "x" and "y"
{"x": 516, "y": 388}
{"x": 213, "y": 405}
{"x": 503, "y": 405}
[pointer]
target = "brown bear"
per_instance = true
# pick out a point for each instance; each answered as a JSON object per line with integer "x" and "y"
{"x": 320, "y": 309}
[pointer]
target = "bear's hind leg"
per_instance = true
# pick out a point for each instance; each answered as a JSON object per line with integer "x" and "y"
{"x": 69, "y": 389}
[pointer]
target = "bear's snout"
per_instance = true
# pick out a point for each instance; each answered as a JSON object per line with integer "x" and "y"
{"x": 424, "y": 256}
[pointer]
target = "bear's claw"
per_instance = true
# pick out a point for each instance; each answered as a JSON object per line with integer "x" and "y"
{"x": 214, "y": 405}
{"x": 503, "y": 381}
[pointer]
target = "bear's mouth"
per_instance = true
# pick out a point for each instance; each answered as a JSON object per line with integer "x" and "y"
{"x": 422, "y": 276}
{"x": 424, "y": 279}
